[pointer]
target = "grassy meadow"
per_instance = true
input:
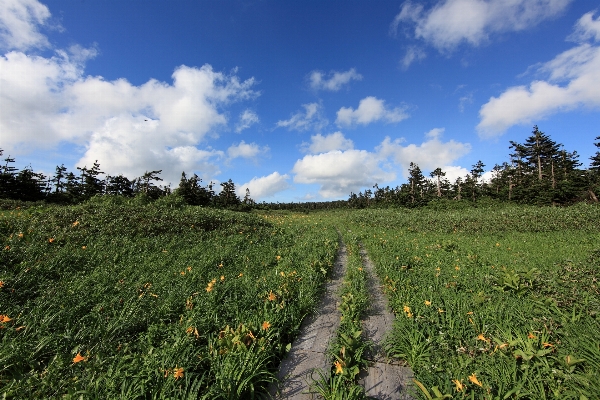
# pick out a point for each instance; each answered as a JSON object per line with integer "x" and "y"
{"x": 115, "y": 298}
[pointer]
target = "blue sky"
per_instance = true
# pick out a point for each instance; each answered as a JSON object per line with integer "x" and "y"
{"x": 305, "y": 100}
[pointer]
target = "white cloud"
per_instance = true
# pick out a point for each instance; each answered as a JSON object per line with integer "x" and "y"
{"x": 464, "y": 100}
{"x": 453, "y": 172}
{"x": 370, "y": 109}
{"x": 247, "y": 119}
{"x": 412, "y": 54}
{"x": 265, "y": 186}
{"x": 573, "y": 81}
{"x": 19, "y": 23}
{"x": 340, "y": 172}
{"x": 452, "y": 22}
{"x": 45, "y": 101}
{"x": 246, "y": 150}
{"x": 429, "y": 155}
{"x": 335, "y": 82}
{"x": 324, "y": 144}
{"x": 310, "y": 119}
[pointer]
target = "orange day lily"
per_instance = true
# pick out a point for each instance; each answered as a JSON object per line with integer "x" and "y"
{"x": 51, "y": 240}
{"x": 338, "y": 368}
{"x": 459, "y": 385}
{"x": 272, "y": 296}
{"x": 266, "y": 325}
{"x": 1, "y": 284}
{"x": 79, "y": 358}
{"x": 4, "y": 318}
{"x": 178, "y": 373}
{"x": 474, "y": 380}
{"x": 427, "y": 303}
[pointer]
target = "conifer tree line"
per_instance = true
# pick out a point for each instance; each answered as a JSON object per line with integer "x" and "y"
{"x": 539, "y": 171}
{"x": 70, "y": 188}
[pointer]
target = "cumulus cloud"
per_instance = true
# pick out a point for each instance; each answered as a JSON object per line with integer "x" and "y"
{"x": 20, "y": 21}
{"x": 340, "y": 172}
{"x": 430, "y": 154}
{"x": 311, "y": 118}
{"x": 573, "y": 81}
{"x": 324, "y": 144}
{"x": 412, "y": 54}
{"x": 370, "y": 109}
{"x": 265, "y": 186}
{"x": 247, "y": 119}
{"x": 246, "y": 150}
{"x": 452, "y": 22}
{"x": 335, "y": 82}
{"x": 45, "y": 101}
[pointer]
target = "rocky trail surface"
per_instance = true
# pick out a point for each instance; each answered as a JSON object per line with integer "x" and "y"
{"x": 384, "y": 379}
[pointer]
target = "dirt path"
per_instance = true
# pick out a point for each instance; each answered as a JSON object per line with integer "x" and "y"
{"x": 384, "y": 379}
{"x": 309, "y": 350}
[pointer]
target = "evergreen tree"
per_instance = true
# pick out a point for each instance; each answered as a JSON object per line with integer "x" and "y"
{"x": 438, "y": 174}
{"x": 476, "y": 172}
{"x": 227, "y": 197}
{"x": 119, "y": 186}
{"x": 192, "y": 192}
{"x": 595, "y": 165}
{"x": 8, "y": 179}
{"x": 416, "y": 181}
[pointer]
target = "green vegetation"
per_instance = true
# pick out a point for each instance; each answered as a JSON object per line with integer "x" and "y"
{"x": 130, "y": 298}
{"x": 349, "y": 345}
{"x": 492, "y": 303}
{"x": 110, "y": 299}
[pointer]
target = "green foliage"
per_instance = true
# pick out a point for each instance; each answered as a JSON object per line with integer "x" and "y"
{"x": 491, "y": 302}
{"x": 159, "y": 300}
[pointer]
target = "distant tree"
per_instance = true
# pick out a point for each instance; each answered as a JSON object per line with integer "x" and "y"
{"x": 416, "y": 181}
{"x": 119, "y": 186}
{"x": 438, "y": 174}
{"x": 191, "y": 190}
{"x": 476, "y": 172}
{"x": 247, "y": 199}
{"x": 8, "y": 175}
{"x": 91, "y": 185}
{"x": 227, "y": 197}
{"x": 595, "y": 165}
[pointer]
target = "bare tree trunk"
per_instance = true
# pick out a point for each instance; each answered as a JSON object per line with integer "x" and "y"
{"x": 553, "y": 180}
{"x": 510, "y": 186}
{"x": 593, "y": 196}
{"x": 439, "y": 192}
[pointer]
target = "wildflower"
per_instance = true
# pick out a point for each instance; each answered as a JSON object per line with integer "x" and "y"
{"x": 440, "y": 310}
{"x": 545, "y": 344}
{"x": 20, "y": 328}
{"x": 221, "y": 265}
{"x": 474, "y": 380}
{"x": 406, "y": 309}
{"x": 278, "y": 258}
{"x": 531, "y": 336}
{"x": 470, "y": 313}
{"x": 266, "y": 325}
{"x": 483, "y": 338}
{"x": 51, "y": 240}
{"x": 4, "y": 318}
{"x": 189, "y": 269}
{"x": 209, "y": 288}
{"x": 338, "y": 368}
{"x": 1, "y": 284}
{"x": 240, "y": 275}
{"x": 456, "y": 267}
{"x": 360, "y": 268}
{"x": 182, "y": 273}
{"x": 7, "y": 248}
{"x": 222, "y": 278}
{"x": 75, "y": 223}
{"x": 272, "y": 296}
{"x": 189, "y": 330}
{"x": 178, "y": 373}
{"x": 427, "y": 303}
{"x": 458, "y": 384}
{"x": 20, "y": 235}
{"x": 83, "y": 247}
{"x": 79, "y": 358}
{"x": 497, "y": 244}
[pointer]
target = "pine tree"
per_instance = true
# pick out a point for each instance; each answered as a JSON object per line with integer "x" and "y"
{"x": 416, "y": 181}
{"x": 438, "y": 174}
{"x": 595, "y": 165}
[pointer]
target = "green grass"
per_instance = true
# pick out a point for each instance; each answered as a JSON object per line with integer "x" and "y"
{"x": 143, "y": 291}
{"x": 493, "y": 303}
{"x": 165, "y": 301}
